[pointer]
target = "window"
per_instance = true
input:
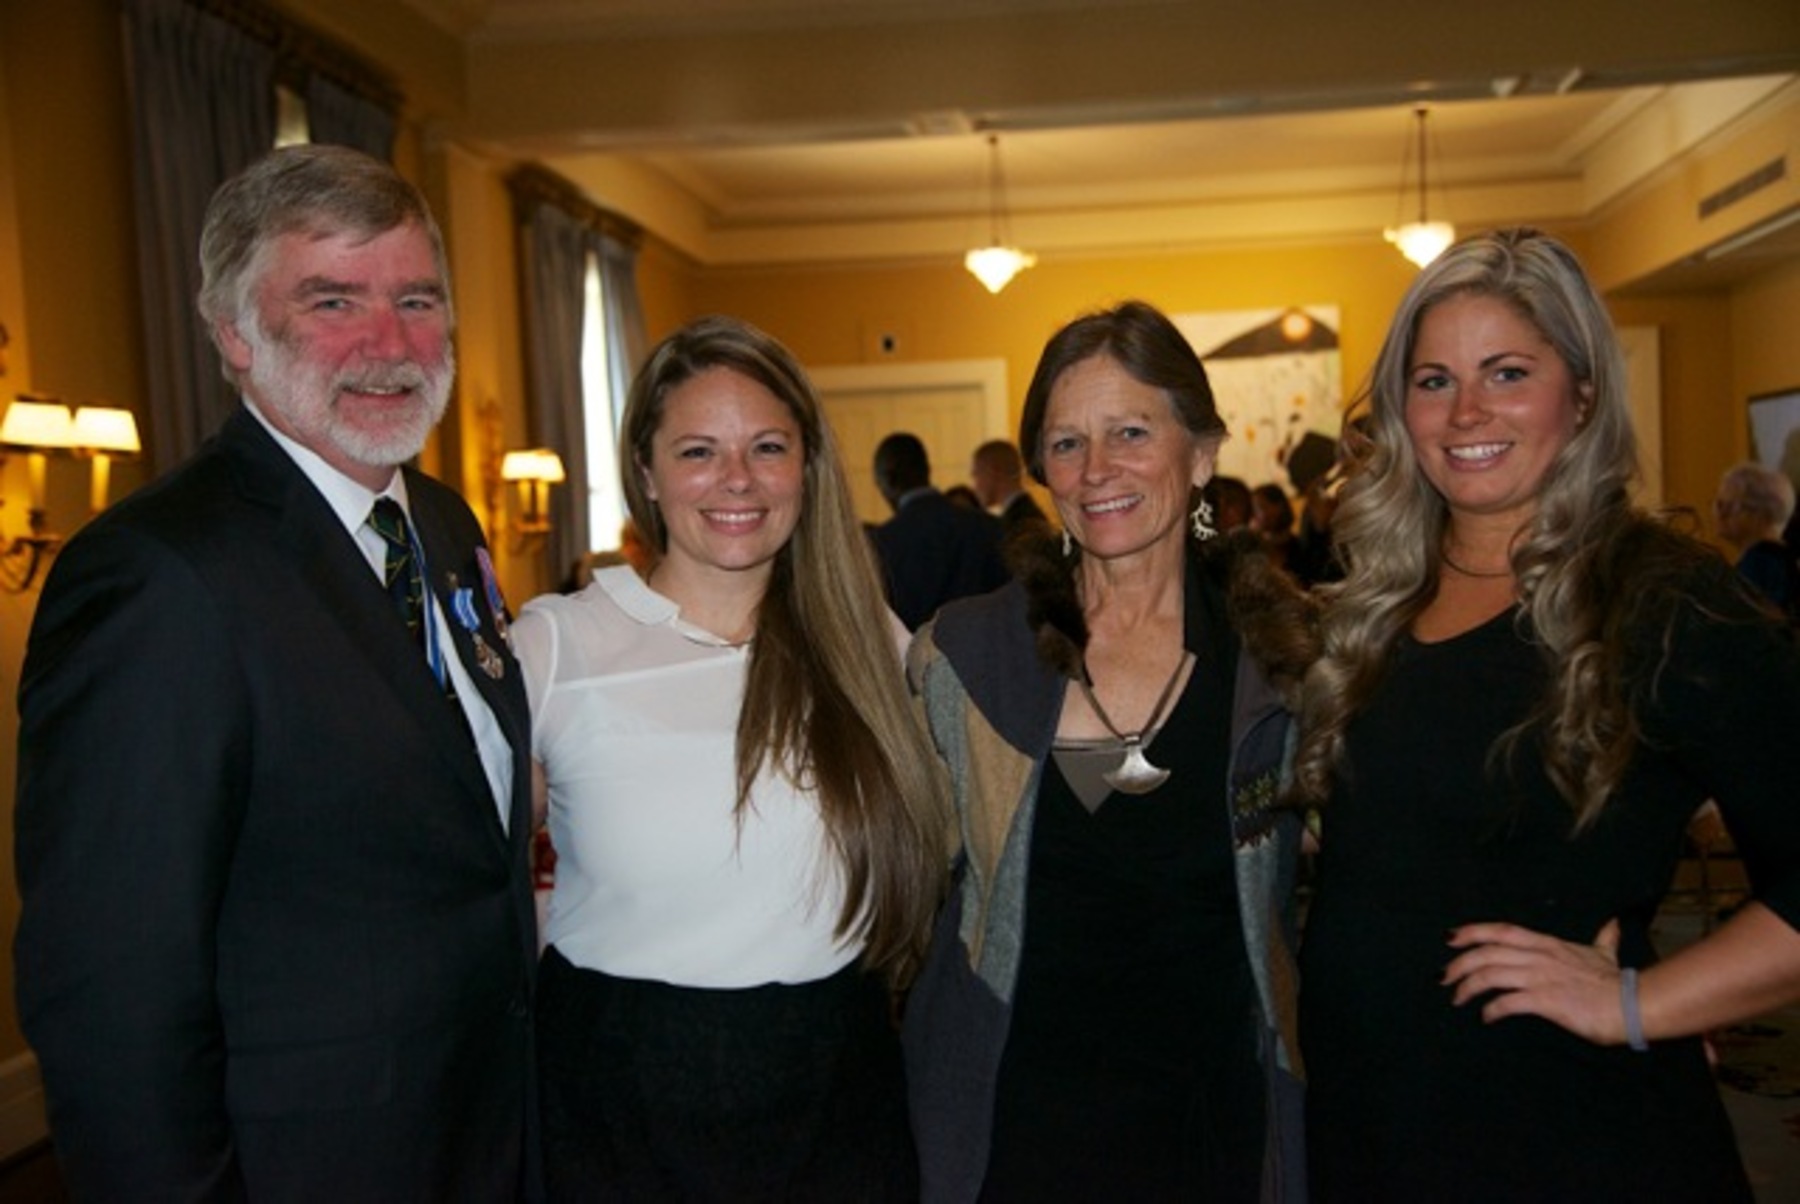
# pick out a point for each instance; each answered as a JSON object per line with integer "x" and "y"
{"x": 601, "y": 411}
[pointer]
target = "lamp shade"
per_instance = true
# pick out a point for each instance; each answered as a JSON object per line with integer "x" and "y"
{"x": 37, "y": 423}
{"x": 998, "y": 262}
{"x": 105, "y": 429}
{"x": 533, "y": 464}
{"x": 1422, "y": 242}
{"x": 996, "y": 266}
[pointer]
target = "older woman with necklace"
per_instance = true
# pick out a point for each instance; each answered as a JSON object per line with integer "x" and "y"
{"x": 1106, "y": 1007}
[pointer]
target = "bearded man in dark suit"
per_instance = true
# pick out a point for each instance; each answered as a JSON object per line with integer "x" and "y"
{"x": 277, "y": 939}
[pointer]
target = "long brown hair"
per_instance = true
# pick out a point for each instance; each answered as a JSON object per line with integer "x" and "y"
{"x": 825, "y": 701}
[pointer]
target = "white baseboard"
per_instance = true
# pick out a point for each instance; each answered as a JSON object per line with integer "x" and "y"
{"x": 23, "y": 1121}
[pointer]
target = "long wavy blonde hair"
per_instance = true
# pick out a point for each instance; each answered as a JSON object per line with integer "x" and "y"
{"x": 1590, "y": 568}
{"x": 824, "y": 701}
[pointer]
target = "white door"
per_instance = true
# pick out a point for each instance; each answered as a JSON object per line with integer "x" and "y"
{"x": 953, "y": 406}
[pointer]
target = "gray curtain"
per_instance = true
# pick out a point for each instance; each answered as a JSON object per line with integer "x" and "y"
{"x": 554, "y": 264}
{"x": 203, "y": 107}
{"x": 626, "y": 342}
{"x": 337, "y": 115}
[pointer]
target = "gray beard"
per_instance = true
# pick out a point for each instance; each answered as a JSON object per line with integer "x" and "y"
{"x": 304, "y": 396}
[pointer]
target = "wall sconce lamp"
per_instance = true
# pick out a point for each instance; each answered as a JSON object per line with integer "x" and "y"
{"x": 535, "y": 470}
{"x": 42, "y": 427}
{"x": 39, "y": 427}
{"x": 103, "y": 434}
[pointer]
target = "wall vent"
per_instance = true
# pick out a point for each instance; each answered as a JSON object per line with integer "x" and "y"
{"x": 1769, "y": 173}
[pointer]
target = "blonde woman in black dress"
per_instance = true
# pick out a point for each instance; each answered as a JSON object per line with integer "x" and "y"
{"x": 1528, "y": 687}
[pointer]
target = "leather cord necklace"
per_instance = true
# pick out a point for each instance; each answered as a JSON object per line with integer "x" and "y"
{"x": 1135, "y": 774}
{"x": 1445, "y": 557}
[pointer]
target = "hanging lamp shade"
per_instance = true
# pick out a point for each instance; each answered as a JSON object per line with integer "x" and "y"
{"x": 1421, "y": 240}
{"x": 998, "y": 262}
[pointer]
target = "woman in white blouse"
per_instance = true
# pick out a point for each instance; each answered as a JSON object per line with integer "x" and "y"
{"x": 749, "y": 835}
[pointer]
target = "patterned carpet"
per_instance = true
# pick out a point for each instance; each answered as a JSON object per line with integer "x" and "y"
{"x": 1762, "y": 1057}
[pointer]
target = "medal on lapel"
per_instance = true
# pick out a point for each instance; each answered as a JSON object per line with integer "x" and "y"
{"x": 462, "y": 605}
{"x": 491, "y": 586}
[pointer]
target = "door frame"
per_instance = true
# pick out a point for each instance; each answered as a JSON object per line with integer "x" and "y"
{"x": 986, "y": 375}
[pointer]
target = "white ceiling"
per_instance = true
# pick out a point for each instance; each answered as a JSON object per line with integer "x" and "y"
{"x": 1288, "y": 161}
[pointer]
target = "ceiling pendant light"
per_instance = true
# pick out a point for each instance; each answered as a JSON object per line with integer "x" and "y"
{"x": 997, "y": 263}
{"x": 1423, "y": 240}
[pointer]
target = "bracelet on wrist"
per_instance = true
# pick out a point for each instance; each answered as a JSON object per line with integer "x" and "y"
{"x": 1634, "y": 1018}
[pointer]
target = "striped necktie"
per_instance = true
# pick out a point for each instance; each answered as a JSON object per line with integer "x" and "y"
{"x": 406, "y": 590}
{"x": 405, "y": 586}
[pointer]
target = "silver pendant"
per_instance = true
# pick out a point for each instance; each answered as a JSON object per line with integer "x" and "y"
{"x": 1135, "y": 774}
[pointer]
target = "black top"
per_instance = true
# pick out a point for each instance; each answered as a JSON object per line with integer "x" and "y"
{"x": 1411, "y": 1098}
{"x": 1130, "y": 1070}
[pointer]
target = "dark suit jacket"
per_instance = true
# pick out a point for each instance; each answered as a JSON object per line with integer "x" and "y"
{"x": 275, "y": 942}
{"x": 933, "y": 550}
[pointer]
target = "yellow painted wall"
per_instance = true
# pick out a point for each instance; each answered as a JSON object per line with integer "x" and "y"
{"x": 665, "y": 280}
{"x": 1704, "y": 426}
{"x": 1765, "y": 332}
{"x": 1659, "y": 225}
{"x": 834, "y": 317}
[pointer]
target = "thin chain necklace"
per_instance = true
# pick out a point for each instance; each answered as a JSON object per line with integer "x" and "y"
{"x": 1445, "y": 557}
{"x": 1135, "y": 774}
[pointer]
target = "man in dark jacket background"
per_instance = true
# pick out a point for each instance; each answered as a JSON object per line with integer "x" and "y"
{"x": 932, "y": 550}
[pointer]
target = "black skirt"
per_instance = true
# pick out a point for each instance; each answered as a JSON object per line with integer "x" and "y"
{"x": 654, "y": 1092}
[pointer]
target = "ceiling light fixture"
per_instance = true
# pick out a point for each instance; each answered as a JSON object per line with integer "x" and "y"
{"x": 997, "y": 263}
{"x": 1423, "y": 240}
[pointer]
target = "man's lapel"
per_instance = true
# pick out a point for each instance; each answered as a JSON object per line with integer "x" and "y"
{"x": 333, "y": 568}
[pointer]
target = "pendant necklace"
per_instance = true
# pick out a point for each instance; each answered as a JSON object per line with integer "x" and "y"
{"x": 1135, "y": 774}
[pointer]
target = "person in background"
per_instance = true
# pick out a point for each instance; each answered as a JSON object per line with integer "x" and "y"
{"x": 1752, "y": 506}
{"x": 631, "y": 551}
{"x": 932, "y": 550}
{"x": 1107, "y": 1011}
{"x": 964, "y": 496}
{"x": 1315, "y": 560}
{"x": 997, "y": 472}
{"x": 1272, "y": 518}
{"x": 635, "y": 548}
{"x": 277, "y": 939}
{"x": 1527, "y": 689}
{"x": 1229, "y": 498}
{"x": 748, "y": 820}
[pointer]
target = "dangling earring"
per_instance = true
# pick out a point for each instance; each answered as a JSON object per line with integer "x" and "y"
{"x": 1068, "y": 544}
{"x": 1203, "y": 528}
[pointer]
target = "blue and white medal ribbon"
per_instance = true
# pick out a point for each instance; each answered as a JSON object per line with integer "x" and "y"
{"x": 462, "y": 605}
